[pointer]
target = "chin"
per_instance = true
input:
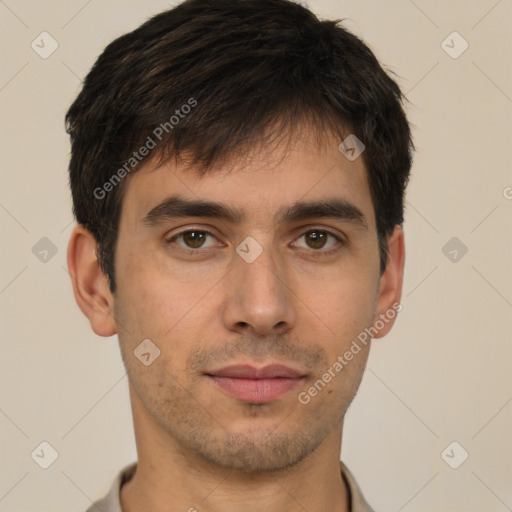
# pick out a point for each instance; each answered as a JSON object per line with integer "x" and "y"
{"x": 258, "y": 453}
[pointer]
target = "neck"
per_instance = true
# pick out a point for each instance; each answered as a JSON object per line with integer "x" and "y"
{"x": 170, "y": 477}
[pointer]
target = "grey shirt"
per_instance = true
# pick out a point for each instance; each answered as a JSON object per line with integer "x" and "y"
{"x": 112, "y": 501}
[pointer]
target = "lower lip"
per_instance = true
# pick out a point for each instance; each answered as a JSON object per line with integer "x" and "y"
{"x": 256, "y": 391}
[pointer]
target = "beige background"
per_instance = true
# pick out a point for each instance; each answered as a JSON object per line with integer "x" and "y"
{"x": 442, "y": 375}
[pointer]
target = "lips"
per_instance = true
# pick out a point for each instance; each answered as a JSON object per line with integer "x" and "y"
{"x": 243, "y": 371}
{"x": 256, "y": 385}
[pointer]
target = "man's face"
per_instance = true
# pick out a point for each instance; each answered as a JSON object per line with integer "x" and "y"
{"x": 206, "y": 305}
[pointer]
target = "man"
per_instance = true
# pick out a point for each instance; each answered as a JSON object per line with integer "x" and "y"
{"x": 238, "y": 170}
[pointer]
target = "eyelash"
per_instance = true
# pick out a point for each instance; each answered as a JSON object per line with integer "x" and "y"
{"x": 314, "y": 253}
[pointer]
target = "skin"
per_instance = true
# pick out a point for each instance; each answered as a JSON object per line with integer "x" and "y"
{"x": 197, "y": 445}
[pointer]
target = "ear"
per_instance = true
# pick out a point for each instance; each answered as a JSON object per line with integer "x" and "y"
{"x": 390, "y": 290}
{"x": 90, "y": 284}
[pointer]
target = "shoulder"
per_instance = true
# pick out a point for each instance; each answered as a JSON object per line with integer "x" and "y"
{"x": 358, "y": 502}
{"x": 111, "y": 502}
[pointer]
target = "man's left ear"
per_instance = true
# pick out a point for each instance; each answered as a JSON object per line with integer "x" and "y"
{"x": 390, "y": 290}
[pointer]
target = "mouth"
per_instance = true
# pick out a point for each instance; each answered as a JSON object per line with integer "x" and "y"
{"x": 256, "y": 385}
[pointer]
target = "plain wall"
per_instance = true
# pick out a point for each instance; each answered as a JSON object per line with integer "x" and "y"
{"x": 444, "y": 372}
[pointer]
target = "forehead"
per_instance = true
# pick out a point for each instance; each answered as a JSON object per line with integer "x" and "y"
{"x": 257, "y": 185}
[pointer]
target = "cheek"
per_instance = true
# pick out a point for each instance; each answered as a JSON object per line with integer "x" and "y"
{"x": 344, "y": 304}
{"x": 152, "y": 298}
{"x": 153, "y": 278}
{"x": 342, "y": 312}
{"x": 154, "y": 302}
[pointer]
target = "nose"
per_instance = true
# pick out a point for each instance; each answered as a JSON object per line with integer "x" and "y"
{"x": 259, "y": 298}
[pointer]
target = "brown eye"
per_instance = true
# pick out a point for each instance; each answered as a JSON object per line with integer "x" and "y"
{"x": 316, "y": 239}
{"x": 192, "y": 239}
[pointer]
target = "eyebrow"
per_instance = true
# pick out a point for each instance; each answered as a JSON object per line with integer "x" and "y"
{"x": 176, "y": 206}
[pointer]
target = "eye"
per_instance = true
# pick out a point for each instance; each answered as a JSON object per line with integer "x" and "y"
{"x": 317, "y": 239}
{"x": 192, "y": 238}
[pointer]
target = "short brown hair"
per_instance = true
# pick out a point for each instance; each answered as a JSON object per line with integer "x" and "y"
{"x": 249, "y": 65}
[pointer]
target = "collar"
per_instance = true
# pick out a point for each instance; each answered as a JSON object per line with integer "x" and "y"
{"x": 112, "y": 501}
